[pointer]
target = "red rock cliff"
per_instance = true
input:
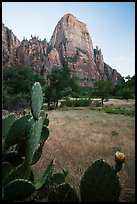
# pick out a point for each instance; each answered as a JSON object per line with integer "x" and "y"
{"x": 70, "y": 42}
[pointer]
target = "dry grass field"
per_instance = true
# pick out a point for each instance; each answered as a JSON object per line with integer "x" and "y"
{"x": 79, "y": 136}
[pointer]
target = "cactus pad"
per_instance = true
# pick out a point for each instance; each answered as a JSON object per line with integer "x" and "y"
{"x": 36, "y": 100}
{"x": 48, "y": 173}
{"x": 6, "y": 168}
{"x": 46, "y": 121}
{"x": 17, "y": 131}
{"x": 42, "y": 113}
{"x": 20, "y": 172}
{"x": 33, "y": 140}
{"x": 7, "y": 123}
{"x": 44, "y": 134}
{"x": 100, "y": 183}
{"x": 37, "y": 154}
{"x": 63, "y": 193}
{"x": 13, "y": 158}
{"x": 18, "y": 189}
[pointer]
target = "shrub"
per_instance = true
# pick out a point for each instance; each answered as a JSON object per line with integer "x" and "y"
{"x": 76, "y": 103}
{"x": 119, "y": 110}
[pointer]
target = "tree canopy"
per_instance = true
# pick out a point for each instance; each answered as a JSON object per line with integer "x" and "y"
{"x": 103, "y": 89}
{"x": 17, "y": 83}
{"x": 60, "y": 84}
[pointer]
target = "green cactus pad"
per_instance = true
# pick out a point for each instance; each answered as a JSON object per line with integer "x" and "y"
{"x": 100, "y": 183}
{"x": 17, "y": 131}
{"x": 46, "y": 122}
{"x": 6, "y": 169}
{"x": 21, "y": 147}
{"x": 29, "y": 125}
{"x": 33, "y": 139}
{"x": 37, "y": 154}
{"x": 14, "y": 158}
{"x": 42, "y": 113}
{"x": 52, "y": 182}
{"x": 57, "y": 179}
{"x": 44, "y": 134}
{"x": 20, "y": 172}
{"x": 7, "y": 123}
{"x": 18, "y": 189}
{"x": 48, "y": 173}
{"x": 36, "y": 100}
{"x": 63, "y": 193}
{"x": 31, "y": 178}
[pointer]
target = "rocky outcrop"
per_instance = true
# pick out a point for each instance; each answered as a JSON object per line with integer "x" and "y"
{"x": 9, "y": 46}
{"x": 73, "y": 42}
{"x": 52, "y": 61}
{"x": 71, "y": 34}
{"x": 32, "y": 53}
{"x": 70, "y": 42}
{"x": 111, "y": 74}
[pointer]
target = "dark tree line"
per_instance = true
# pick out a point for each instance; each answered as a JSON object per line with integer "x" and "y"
{"x": 17, "y": 83}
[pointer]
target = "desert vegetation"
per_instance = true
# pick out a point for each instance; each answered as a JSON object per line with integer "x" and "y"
{"x": 85, "y": 147}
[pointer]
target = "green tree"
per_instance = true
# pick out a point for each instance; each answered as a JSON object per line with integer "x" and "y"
{"x": 18, "y": 79}
{"x": 118, "y": 88}
{"x": 61, "y": 84}
{"x": 103, "y": 89}
{"x": 130, "y": 83}
{"x": 17, "y": 83}
{"x": 123, "y": 84}
{"x": 127, "y": 93}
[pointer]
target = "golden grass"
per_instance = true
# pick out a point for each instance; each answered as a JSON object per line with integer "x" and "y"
{"x": 80, "y": 136}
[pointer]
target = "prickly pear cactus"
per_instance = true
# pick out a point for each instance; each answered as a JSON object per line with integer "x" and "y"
{"x": 36, "y": 100}
{"x": 100, "y": 183}
{"x": 7, "y": 123}
{"x": 33, "y": 140}
{"x": 17, "y": 131}
{"x": 63, "y": 193}
{"x": 18, "y": 189}
{"x": 23, "y": 141}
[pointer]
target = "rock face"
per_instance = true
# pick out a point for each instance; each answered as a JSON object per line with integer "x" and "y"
{"x": 9, "y": 46}
{"x": 73, "y": 42}
{"x": 69, "y": 43}
{"x": 32, "y": 53}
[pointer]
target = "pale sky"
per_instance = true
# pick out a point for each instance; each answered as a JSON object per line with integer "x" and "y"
{"x": 111, "y": 26}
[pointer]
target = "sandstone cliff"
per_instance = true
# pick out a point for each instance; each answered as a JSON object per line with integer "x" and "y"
{"x": 73, "y": 42}
{"x": 70, "y": 42}
{"x": 9, "y": 46}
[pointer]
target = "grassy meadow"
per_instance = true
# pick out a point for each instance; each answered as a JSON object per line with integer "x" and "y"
{"x": 79, "y": 136}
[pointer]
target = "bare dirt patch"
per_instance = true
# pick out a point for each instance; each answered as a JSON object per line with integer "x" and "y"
{"x": 122, "y": 102}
